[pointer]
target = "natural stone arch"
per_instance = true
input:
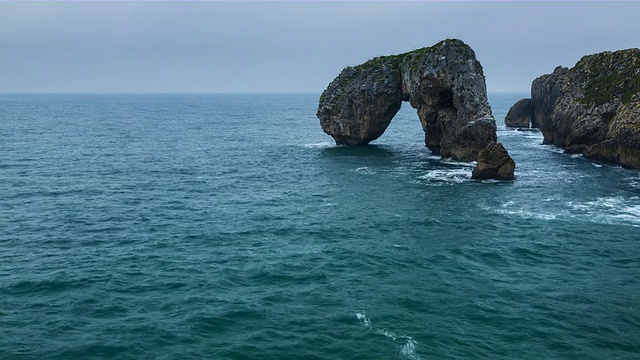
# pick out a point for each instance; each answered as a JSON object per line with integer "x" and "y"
{"x": 444, "y": 83}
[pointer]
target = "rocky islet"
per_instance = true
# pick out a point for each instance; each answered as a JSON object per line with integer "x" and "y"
{"x": 444, "y": 83}
{"x": 592, "y": 108}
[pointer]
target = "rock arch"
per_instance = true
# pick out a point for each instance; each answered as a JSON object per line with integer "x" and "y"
{"x": 444, "y": 83}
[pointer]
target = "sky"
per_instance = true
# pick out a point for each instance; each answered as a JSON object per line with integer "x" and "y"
{"x": 286, "y": 47}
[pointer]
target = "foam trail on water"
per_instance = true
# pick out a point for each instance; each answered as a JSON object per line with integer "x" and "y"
{"x": 364, "y": 170}
{"x": 407, "y": 346}
{"x": 320, "y": 145}
{"x": 446, "y": 176}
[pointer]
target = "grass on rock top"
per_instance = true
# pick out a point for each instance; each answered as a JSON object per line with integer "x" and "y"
{"x": 395, "y": 61}
{"x": 606, "y": 79}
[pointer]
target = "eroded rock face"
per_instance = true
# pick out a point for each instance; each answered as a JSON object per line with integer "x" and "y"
{"x": 494, "y": 163}
{"x": 519, "y": 116}
{"x": 593, "y": 108}
{"x": 445, "y": 83}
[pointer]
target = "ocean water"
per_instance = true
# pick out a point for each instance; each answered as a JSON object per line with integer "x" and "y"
{"x": 231, "y": 227}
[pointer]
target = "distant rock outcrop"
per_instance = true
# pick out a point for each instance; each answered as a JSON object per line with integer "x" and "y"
{"x": 519, "y": 116}
{"x": 593, "y": 108}
{"x": 494, "y": 163}
{"x": 444, "y": 82}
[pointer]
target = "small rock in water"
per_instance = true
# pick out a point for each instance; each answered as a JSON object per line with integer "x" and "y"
{"x": 494, "y": 163}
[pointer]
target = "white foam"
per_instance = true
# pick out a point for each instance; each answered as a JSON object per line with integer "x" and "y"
{"x": 363, "y": 319}
{"x": 553, "y": 149}
{"x": 320, "y": 145}
{"x": 616, "y": 210}
{"x": 634, "y": 183}
{"x": 407, "y": 346}
{"x": 450, "y": 161}
{"x": 409, "y": 349}
{"x": 447, "y": 176}
{"x": 596, "y": 165}
{"x": 527, "y": 214}
{"x": 510, "y": 208}
{"x": 364, "y": 170}
{"x": 609, "y": 210}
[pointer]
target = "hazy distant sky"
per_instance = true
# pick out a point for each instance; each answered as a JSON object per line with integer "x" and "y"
{"x": 283, "y": 46}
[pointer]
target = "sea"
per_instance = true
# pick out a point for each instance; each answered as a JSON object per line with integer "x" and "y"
{"x": 232, "y": 227}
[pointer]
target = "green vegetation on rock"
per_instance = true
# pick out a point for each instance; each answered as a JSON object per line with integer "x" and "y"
{"x": 605, "y": 79}
{"x": 394, "y": 61}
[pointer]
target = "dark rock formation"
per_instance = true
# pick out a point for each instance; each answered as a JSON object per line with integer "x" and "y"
{"x": 445, "y": 83}
{"x": 593, "y": 108}
{"x": 519, "y": 116}
{"x": 494, "y": 163}
{"x": 545, "y": 90}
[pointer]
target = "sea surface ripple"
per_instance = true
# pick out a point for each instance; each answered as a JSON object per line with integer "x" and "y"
{"x": 231, "y": 227}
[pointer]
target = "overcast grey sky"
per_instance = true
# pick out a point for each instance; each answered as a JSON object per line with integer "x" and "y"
{"x": 286, "y": 47}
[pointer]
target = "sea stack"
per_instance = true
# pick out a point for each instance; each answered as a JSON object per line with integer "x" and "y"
{"x": 593, "y": 108}
{"x": 444, "y": 83}
{"x": 519, "y": 116}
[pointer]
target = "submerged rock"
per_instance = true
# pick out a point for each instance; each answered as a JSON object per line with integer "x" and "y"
{"x": 593, "y": 108}
{"x": 519, "y": 116}
{"x": 444, "y": 82}
{"x": 494, "y": 163}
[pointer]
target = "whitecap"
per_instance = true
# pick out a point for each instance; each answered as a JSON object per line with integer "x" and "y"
{"x": 446, "y": 176}
{"x": 527, "y": 214}
{"x": 553, "y": 149}
{"x": 363, "y": 319}
{"x": 364, "y": 170}
{"x": 634, "y": 184}
{"x": 609, "y": 210}
{"x": 407, "y": 346}
{"x": 510, "y": 208}
{"x": 320, "y": 145}
{"x": 409, "y": 349}
{"x": 450, "y": 161}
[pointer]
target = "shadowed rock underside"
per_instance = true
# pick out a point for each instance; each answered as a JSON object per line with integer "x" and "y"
{"x": 444, "y": 83}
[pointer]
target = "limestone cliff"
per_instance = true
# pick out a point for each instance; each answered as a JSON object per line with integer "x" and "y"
{"x": 444, "y": 82}
{"x": 593, "y": 108}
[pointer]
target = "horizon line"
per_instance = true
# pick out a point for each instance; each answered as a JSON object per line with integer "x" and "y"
{"x": 209, "y": 93}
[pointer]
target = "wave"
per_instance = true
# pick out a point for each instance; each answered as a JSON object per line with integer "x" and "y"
{"x": 406, "y": 344}
{"x": 320, "y": 145}
{"x": 610, "y": 210}
{"x": 450, "y": 161}
{"x": 440, "y": 177}
{"x": 364, "y": 170}
{"x": 615, "y": 210}
{"x": 527, "y": 214}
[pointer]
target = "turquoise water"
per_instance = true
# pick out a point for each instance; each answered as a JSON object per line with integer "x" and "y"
{"x": 231, "y": 227}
